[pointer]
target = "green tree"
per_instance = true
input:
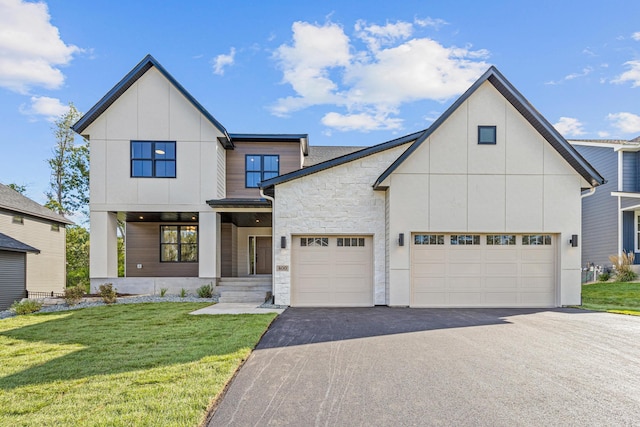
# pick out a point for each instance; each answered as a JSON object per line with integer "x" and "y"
{"x": 22, "y": 189}
{"x": 69, "y": 185}
{"x": 77, "y": 256}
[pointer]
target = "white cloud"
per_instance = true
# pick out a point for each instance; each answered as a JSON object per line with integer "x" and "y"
{"x": 363, "y": 122}
{"x": 32, "y": 51}
{"x": 631, "y": 75}
{"x": 324, "y": 67}
{"x": 583, "y": 73}
{"x": 50, "y": 108}
{"x": 221, "y": 61}
{"x": 569, "y": 126}
{"x": 603, "y": 134}
{"x": 625, "y": 122}
{"x": 436, "y": 23}
{"x": 636, "y": 36}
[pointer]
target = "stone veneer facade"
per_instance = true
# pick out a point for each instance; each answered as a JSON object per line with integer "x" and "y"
{"x": 338, "y": 200}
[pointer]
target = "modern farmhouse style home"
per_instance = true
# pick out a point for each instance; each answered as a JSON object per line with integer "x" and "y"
{"x": 482, "y": 209}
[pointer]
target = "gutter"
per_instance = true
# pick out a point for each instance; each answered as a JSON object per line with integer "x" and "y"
{"x": 590, "y": 193}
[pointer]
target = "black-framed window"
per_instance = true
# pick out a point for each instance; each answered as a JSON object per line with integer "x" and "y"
{"x": 260, "y": 167}
{"x": 153, "y": 159}
{"x": 179, "y": 243}
{"x": 486, "y": 135}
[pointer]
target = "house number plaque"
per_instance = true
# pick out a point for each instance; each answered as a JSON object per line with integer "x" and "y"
{"x": 282, "y": 268}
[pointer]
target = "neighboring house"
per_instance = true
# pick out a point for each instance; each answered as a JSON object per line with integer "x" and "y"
{"x": 13, "y": 270}
{"x": 43, "y": 234}
{"x": 477, "y": 211}
{"x": 611, "y": 215}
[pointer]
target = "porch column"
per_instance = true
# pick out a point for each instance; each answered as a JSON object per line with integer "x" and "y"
{"x": 103, "y": 258}
{"x": 209, "y": 233}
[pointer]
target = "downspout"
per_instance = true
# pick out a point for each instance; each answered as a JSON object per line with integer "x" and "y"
{"x": 590, "y": 193}
{"x": 273, "y": 258}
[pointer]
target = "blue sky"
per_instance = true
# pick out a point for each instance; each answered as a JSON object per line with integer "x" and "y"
{"x": 345, "y": 72}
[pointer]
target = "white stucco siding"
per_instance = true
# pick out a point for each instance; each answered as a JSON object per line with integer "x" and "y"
{"x": 452, "y": 184}
{"x": 152, "y": 109}
{"x": 339, "y": 200}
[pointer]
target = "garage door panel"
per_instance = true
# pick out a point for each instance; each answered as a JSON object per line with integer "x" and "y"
{"x": 332, "y": 275}
{"x": 501, "y": 271}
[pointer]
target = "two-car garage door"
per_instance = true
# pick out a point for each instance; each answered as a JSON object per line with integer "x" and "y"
{"x": 477, "y": 270}
{"x": 332, "y": 271}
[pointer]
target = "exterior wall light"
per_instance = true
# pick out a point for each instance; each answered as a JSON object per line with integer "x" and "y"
{"x": 401, "y": 239}
{"x": 283, "y": 242}
{"x": 574, "y": 241}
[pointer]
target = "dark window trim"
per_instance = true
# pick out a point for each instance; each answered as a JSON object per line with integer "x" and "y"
{"x": 180, "y": 244}
{"x": 153, "y": 159}
{"x": 495, "y": 135}
{"x": 261, "y": 171}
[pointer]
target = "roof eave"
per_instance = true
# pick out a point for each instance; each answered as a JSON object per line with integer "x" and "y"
{"x": 126, "y": 82}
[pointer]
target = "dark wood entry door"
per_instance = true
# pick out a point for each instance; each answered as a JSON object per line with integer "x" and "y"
{"x": 263, "y": 255}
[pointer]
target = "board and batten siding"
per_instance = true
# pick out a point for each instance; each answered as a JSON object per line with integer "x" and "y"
{"x": 12, "y": 278}
{"x": 289, "y": 161}
{"x": 143, "y": 247}
{"x": 600, "y": 211}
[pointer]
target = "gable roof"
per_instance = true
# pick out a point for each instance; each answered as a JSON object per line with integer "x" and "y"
{"x": 126, "y": 82}
{"x": 364, "y": 152}
{"x": 13, "y": 201}
{"x": 10, "y": 244}
{"x": 519, "y": 102}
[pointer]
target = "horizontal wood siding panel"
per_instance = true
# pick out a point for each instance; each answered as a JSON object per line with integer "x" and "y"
{"x": 290, "y": 160}
{"x": 143, "y": 247}
{"x": 12, "y": 278}
{"x": 600, "y": 211}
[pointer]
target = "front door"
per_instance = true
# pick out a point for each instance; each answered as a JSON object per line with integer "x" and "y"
{"x": 263, "y": 255}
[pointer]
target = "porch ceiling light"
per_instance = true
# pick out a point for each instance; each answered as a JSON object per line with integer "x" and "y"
{"x": 158, "y": 151}
{"x": 141, "y": 217}
{"x": 257, "y": 220}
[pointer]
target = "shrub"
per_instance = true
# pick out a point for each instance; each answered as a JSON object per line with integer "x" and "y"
{"x": 183, "y": 293}
{"x": 107, "y": 293}
{"x": 622, "y": 264}
{"x": 25, "y": 307}
{"x": 163, "y": 291}
{"x": 604, "y": 277}
{"x": 74, "y": 294}
{"x": 205, "y": 291}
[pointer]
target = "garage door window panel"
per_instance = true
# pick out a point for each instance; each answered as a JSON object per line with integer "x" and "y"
{"x": 465, "y": 239}
{"x": 536, "y": 240}
{"x": 428, "y": 239}
{"x": 350, "y": 242}
{"x": 314, "y": 241}
{"x": 501, "y": 239}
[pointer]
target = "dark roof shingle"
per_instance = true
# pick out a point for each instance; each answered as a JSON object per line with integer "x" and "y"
{"x": 10, "y": 244}
{"x": 13, "y": 201}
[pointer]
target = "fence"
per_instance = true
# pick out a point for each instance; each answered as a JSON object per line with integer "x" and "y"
{"x": 36, "y": 295}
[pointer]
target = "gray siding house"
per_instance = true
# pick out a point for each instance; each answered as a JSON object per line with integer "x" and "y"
{"x": 611, "y": 215}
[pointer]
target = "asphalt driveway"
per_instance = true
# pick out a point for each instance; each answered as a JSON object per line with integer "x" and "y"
{"x": 421, "y": 367}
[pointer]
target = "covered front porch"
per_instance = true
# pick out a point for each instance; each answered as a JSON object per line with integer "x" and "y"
{"x": 184, "y": 250}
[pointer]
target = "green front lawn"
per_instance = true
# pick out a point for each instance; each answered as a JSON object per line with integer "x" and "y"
{"x": 121, "y": 365}
{"x": 619, "y": 297}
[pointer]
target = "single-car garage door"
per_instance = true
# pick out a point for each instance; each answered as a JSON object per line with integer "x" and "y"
{"x": 480, "y": 270}
{"x": 12, "y": 277}
{"x": 332, "y": 271}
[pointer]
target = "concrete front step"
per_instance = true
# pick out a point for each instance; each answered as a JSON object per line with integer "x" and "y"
{"x": 257, "y": 297}
{"x": 234, "y": 288}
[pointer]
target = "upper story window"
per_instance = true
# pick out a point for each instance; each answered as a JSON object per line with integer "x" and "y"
{"x": 18, "y": 219}
{"x": 153, "y": 159}
{"x": 55, "y": 227}
{"x": 486, "y": 135}
{"x": 260, "y": 167}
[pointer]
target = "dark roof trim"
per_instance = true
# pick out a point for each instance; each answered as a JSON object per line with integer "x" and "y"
{"x": 10, "y": 244}
{"x": 128, "y": 80}
{"x": 303, "y": 138}
{"x": 519, "y": 102}
{"x": 239, "y": 203}
{"x": 340, "y": 160}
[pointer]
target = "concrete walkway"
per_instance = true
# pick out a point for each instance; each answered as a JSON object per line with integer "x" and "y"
{"x": 237, "y": 308}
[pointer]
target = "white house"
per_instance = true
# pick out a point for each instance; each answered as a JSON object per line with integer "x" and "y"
{"x": 480, "y": 210}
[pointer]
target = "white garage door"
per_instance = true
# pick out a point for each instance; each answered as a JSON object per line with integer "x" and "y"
{"x": 478, "y": 270}
{"x": 332, "y": 271}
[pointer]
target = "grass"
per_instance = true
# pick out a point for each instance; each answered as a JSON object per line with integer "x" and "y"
{"x": 121, "y": 365}
{"x": 614, "y": 297}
